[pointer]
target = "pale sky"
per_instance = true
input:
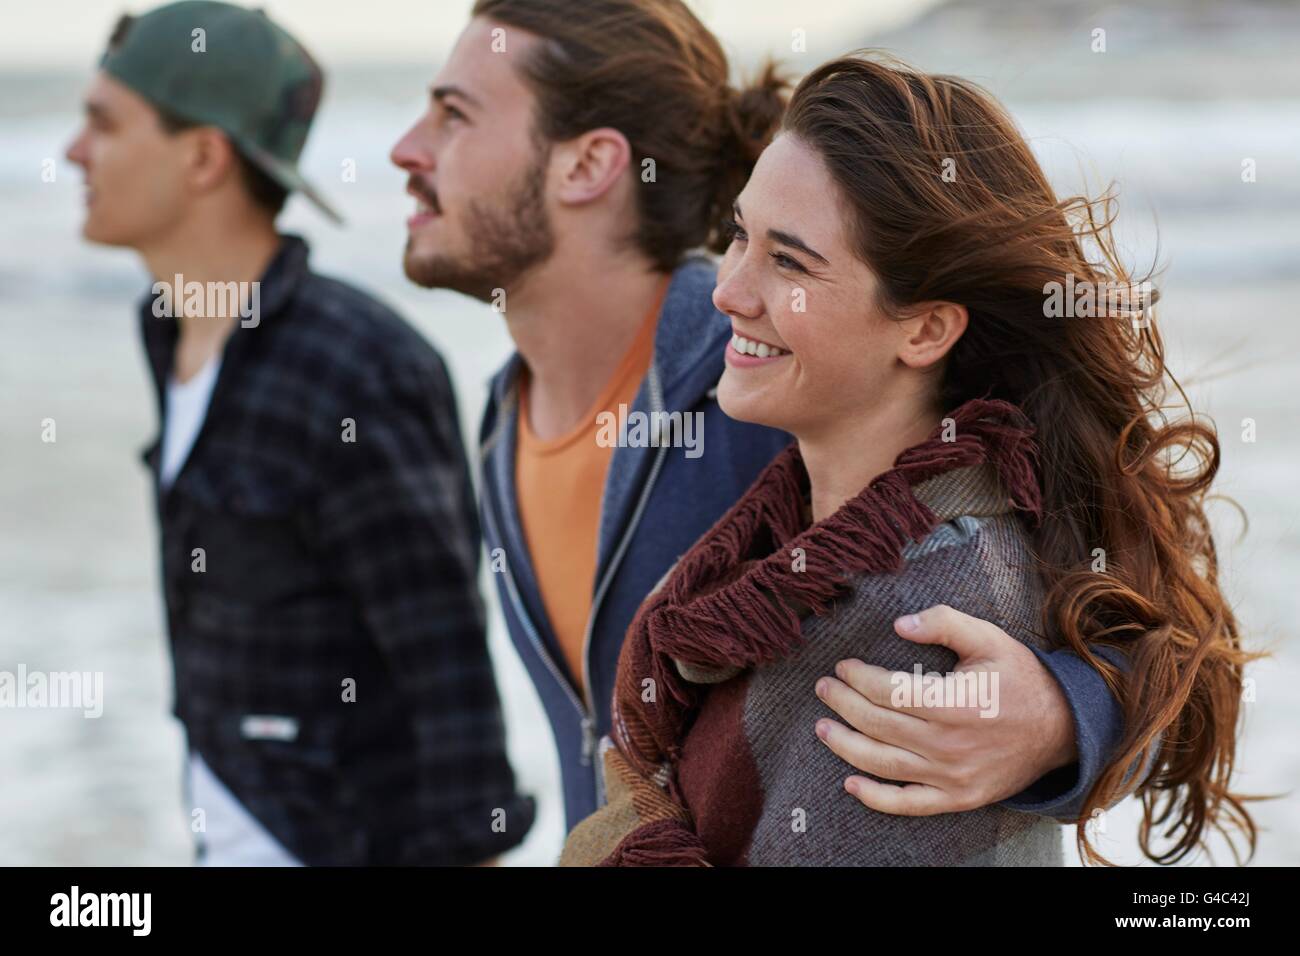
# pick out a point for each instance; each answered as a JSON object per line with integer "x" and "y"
{"x": 71, "y": 33}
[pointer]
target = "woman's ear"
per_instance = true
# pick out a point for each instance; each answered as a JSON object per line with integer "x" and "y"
{"x": 930, "y": 331}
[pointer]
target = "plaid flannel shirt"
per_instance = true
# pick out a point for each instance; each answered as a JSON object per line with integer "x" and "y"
{"x": 320, "y": 553}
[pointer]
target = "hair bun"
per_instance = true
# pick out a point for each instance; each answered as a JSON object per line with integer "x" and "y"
{"x": 751, "y": 117}
{"x": 754, "y": 113}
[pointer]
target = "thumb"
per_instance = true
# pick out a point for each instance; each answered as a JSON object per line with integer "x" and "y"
{"x": 970, "y": 638}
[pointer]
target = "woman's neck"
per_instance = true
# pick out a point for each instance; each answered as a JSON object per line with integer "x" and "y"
{"x": 843, "y": 457}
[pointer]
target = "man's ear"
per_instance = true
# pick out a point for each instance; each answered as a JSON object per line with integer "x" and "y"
{"x": 930, "y": 331}
{"x": 591, "y": 164}
{"x": 210, "y": 157}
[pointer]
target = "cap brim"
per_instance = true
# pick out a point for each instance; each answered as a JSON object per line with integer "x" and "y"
{"x": 287, "y": 175}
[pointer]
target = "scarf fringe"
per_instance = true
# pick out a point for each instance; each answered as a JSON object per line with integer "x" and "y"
{"x": 697, "y": 620}
{"x": 661, "y": 843}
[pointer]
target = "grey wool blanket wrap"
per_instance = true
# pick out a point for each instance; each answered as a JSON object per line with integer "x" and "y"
{"x": 712, "y": 757}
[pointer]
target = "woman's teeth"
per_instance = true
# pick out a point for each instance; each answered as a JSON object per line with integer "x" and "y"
{"x": 749, "y": 347}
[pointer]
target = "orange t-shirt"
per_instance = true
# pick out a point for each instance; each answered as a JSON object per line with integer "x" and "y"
{"x": 560, "y": 485}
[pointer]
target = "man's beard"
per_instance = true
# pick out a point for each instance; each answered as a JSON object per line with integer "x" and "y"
{"x": 505, "y": 242}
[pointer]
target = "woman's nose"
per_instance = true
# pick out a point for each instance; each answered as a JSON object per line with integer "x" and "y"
{"x": 735, "y": 295}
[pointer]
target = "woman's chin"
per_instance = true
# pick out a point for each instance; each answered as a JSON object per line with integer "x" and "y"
{"x": 746, "y": 404}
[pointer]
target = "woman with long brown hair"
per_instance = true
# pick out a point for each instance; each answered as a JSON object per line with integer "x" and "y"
{"x": 895, "y": 284}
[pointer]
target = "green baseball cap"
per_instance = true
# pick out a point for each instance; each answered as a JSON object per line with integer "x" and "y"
{"x": 229, "y": 67}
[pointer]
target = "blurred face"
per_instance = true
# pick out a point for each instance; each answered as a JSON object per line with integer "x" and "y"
{"x": 809, "y": 346}
{"x": 475, "y": 172}
{"x": 135, "y": 175}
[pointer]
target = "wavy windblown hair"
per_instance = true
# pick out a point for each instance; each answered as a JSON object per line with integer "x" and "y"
{"x": 945, "y": 201}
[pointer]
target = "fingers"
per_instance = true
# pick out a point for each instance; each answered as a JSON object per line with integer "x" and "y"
{"x": 879, "y": 723}
{"x": 912, "y": 800}
{"x": 872, "y": 756}
{"x": 967, "y": 637}
{"x": 874, "y": 683}
{"x": 881, "y": 688}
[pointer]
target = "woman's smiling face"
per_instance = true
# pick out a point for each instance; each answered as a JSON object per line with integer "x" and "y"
{"x": 790, "y": 282}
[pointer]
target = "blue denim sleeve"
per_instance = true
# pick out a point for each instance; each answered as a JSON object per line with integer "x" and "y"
{"x": 1098, "y": 729}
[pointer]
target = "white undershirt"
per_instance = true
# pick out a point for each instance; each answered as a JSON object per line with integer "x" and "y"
{"x": 183, "y": 414}
{"x": 231, "y": 836}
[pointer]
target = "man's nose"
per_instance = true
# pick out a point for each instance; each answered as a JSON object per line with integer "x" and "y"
{"x": 411, "y": 152}
{"x": 76, "y": 151}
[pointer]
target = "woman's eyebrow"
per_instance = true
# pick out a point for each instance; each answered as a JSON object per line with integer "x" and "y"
{"x": 786, "y": 239}
{"x": 794, "y": 242}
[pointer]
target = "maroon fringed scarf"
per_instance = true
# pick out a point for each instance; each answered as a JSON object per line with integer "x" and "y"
{"x": 735, "y": 602}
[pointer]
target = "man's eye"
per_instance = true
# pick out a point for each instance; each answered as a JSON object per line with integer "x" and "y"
{"x": 453, "y": 113}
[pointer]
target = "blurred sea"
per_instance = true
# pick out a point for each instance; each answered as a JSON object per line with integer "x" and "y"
{"x": 77, "y": 537}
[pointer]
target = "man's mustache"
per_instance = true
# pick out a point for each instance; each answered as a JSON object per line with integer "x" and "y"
{"x": 424, "y": 191}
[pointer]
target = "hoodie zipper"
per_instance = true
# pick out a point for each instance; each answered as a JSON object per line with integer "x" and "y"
{"x": 661, "y": 451}
{"x": 588, "y": 731}
{"x": 583, "y": 705}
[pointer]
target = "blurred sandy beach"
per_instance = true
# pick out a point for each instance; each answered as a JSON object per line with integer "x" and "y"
{"x": 78, "y": 546}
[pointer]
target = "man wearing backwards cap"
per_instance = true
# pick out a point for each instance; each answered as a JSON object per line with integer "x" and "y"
{"x": 319, "y": 538}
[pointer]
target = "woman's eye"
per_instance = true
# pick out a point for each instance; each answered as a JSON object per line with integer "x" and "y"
{"x": 785, "y": 262}
{"x": 733, "y": 231}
